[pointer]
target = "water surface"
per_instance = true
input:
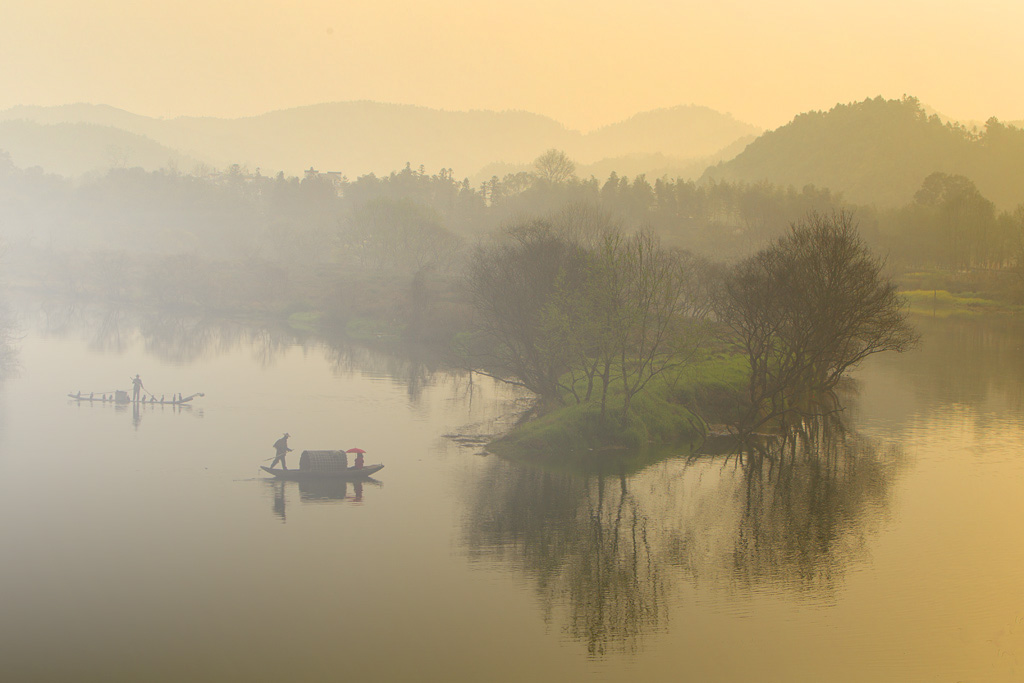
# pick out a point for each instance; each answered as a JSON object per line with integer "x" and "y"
{"x": 148, "y": 545}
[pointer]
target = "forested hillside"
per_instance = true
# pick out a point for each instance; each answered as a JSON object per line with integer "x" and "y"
{"x": 880, "y": 151}
{"x": 872, "y": 158}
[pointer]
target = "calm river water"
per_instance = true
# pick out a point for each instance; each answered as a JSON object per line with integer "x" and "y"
{"x": 147, "y": 546}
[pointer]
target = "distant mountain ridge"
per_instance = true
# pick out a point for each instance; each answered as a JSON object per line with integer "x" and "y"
{"x": 879, "y": 151}
{"x": 77, "y": 149}
{"x": 875, "y": 151}
{"x": 356, "y": 138}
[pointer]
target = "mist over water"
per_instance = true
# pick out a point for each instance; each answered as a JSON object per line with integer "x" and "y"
{"x": 150, "y": 546}
{"x": 343, "y": 222}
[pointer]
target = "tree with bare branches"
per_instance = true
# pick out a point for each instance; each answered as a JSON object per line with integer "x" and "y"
{"x": 571, "y": 313}
{"x": 807, "y": 309}
{"x": 511, "y": 286}
{"x": 555, "y": 166}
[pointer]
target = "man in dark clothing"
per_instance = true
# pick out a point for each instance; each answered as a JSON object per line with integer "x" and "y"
{"x": 136, "y": 388}
{"x": 281, "y": 446}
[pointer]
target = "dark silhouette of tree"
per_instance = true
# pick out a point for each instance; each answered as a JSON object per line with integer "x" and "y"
{"x": 510, "y": 285}
{"x": 557, "y": 306}
{"x": 555, "y": 167}
{"x": 642, "y": 305}
{"x": 805, "y": 310}
{"x": 960, "y": 224}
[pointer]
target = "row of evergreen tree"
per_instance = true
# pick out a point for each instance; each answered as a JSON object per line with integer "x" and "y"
{"x": 410, "y": 219}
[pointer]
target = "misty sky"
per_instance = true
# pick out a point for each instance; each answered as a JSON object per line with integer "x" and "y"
{"x": 584, "y": 64}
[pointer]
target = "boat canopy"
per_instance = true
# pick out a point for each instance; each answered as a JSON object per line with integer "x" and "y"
{"x": 323, "y": 461}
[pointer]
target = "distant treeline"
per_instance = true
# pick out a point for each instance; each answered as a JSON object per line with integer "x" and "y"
{"x": 410, "y": 220}
{"x": 387, "y": 221}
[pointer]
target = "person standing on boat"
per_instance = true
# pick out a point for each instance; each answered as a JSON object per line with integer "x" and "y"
{"x": 136, "y": 389}
{"x": 281, "y": 446}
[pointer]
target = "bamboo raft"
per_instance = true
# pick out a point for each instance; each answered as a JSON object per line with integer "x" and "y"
{"x": 122, "y": 398}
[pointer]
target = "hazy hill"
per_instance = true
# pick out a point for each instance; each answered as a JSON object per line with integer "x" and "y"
{"x": 681, "y": 132}
{"x": 879, "y": 151}
{"x": 362, "y": 137}
{"x": 75, "y": 149}
{"x": 99, "y": 114}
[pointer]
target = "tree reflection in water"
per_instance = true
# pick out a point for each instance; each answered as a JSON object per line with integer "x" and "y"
{"x": 414, "y": 370}
{"x": 809, "y": 502}
{"x": 584, "y": 541}
{"x": 168, "y": 335}
{"x": 183, "y": 338}
{"x": 607, "y": 552}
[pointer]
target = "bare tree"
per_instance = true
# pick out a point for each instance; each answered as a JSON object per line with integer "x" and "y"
{"x": 649, "y": 316}
{"x": 578, "y": 312}
{"x": 806, "y": 310}
{"x": 555, "y": 166}
{"x": 511, "y": 285}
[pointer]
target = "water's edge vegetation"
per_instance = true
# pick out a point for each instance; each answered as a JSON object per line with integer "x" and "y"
{"x": 624, "y": 343}
{"x": 600, "y": 298}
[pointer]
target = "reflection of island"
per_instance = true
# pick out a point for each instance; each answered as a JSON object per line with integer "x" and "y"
{"x": 808, "y": 503}
{"x": 169, "y": 335}
{"x": 325, "y": 491}
{"x": 605, "y": 552}
{"x": 584, "y": 542}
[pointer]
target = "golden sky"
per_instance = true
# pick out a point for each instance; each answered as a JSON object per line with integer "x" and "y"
{"x": 584, "y": 64}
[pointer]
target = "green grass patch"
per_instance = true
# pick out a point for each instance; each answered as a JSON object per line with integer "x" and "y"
{"x": 715, "y": 387}
{"x": 307, "y": 321}
{"x": 943, "y": 303}
{"x": 674, "y": 408}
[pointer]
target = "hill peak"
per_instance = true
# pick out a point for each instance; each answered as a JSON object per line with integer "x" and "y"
{"x": 878, "y": 151}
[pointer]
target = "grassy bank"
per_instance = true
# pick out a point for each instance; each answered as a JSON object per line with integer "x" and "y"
{"x": 970, "y": 292}
{"x": 941, "y": 303}
{"x": 673, "y": 408}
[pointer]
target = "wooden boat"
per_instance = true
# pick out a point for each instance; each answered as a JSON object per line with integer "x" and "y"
{"x": 364, "y": 472}
{"x": 325, "y": 466}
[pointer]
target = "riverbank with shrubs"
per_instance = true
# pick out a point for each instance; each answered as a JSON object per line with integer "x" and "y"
{"x": 682, "y": 407}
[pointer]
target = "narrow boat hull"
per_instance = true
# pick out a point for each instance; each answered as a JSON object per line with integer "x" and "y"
{"x": 99, "y": 399}
{"x": 306, "y": 475}
{"x": 121, "y": 399}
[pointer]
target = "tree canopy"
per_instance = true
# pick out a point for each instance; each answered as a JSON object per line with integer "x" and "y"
{"x": 805, "y": 310}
